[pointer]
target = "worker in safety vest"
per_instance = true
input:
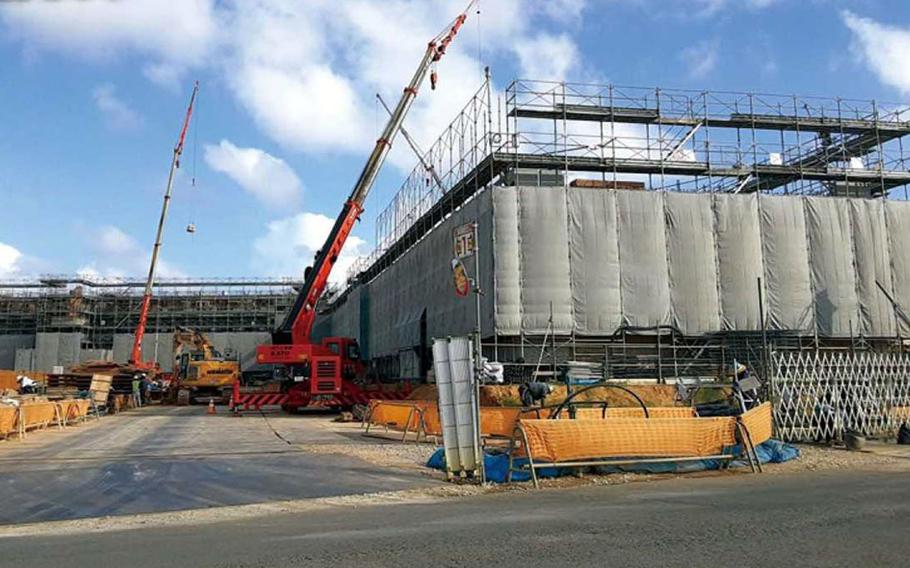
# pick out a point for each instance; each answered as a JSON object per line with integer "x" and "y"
{"x": 137, "y": 390}
{"x": 26, "y": 385}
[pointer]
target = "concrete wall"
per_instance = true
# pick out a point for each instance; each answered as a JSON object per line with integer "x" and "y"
{"x": 56, "y": 349}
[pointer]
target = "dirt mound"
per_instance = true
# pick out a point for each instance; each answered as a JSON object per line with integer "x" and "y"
{"x": 507, "y": 395}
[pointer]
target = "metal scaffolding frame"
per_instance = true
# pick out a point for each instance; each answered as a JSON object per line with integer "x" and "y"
{"x": 100, "y": 309}
{"x": 545, "y": 133}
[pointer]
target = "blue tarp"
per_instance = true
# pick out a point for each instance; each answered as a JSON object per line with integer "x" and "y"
{"x": 497, "y": 465}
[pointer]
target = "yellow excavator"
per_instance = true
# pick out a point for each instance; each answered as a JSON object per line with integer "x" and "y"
{"x": 201, "y": 373}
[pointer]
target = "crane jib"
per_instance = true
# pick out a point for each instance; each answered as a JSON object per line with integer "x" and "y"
{"x": 297, "y": 325}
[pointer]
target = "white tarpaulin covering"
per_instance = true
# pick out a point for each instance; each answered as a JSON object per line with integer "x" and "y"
{"x": 607, "y": 258}
{"x": 693, "y": 263}
{"x": 786, "y": 259}
{"x": 643, "y": 259}
{"x": 739, "y": 260}
{"x": 594, "y": 252}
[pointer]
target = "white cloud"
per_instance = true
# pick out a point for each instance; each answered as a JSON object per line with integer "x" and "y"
{"x": 105, "y": 30}
{"x": 267, "y": 178}
{"x": 290, "y": 244}
{"x": 119, "y": 255}
{"x": 701, "y": 58}
{"x": 10, "y": 258}
{"x": 547, "y": 57}
{"x": 884, "y": 48}
{"x": 117, "y": 114}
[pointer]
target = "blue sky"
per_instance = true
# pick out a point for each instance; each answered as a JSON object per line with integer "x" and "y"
{"x": 92, "y": 94}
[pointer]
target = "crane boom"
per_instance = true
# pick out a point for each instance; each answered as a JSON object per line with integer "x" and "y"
{"x": 298, "y": 323}
{"x": 136, "y": 353}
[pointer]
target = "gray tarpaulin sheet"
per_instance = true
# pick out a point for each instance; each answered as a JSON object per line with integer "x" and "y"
{"x": 786, "y": 258}
{"x": 594, "y": 251}
{"x": 693, "y": 263}
{"x": 508, "y": 260}
{"x": 739, "y": 255}
{"x": 643, "y": 255}
{"x": 607, "y": 258}
{"x": 831, "y": 263}
{"x": 544, "y": 259}
{"x": 897, "y": 215}
{"x": 870, "y": 245}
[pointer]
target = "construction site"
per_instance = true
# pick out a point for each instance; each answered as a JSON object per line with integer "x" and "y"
{"x": 578, "y": 285}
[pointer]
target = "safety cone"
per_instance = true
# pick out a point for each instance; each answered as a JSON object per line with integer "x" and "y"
{"x": 211, "y": 406}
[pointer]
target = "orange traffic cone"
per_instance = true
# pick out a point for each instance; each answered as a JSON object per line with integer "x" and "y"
{"x": 211, "y": 409}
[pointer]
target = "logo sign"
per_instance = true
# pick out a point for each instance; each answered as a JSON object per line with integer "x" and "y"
{"x": 465, "y": 240}
{"x": 462, "y": 282}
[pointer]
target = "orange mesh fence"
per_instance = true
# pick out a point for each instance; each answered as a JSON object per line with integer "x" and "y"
{"x": 37, "y": 413}
{"x": 7, "y": 420}
{"x": 573, "y": 440}
{"x": 758, "y": 423}
{"x": 631, "y": 412}
{"x": 494, "y": 420}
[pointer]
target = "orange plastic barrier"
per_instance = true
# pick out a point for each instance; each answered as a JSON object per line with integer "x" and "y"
{"x": 8, "y": 415}
{"x": 37, "y": 414}
{"x": 572, "y": 440}
{"x": 73, "y": 410}
{"x": 758, "y": 423}
{"x": 397, "y": 415}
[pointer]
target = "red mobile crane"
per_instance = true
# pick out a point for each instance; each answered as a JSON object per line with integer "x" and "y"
{"x": 325, "y": 371}
{"x": 136, "y": 353}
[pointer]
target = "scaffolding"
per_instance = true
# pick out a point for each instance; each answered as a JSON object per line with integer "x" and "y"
{"x": 556, "y": 133}
{"x": 100, "y": 309}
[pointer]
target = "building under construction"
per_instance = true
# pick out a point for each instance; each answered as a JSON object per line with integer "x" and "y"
{"x": 58, "y": 321}
{"x": 655, "y": 231}
{"x": 659, "y": 232}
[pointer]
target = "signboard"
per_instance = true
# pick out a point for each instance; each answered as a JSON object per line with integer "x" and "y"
{"x": 462, "y": 282}
{"x": 465, "y": 240}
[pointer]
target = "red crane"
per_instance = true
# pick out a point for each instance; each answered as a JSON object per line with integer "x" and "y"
{"x": 324, "y": 371}
{"x": 136, "y": 353}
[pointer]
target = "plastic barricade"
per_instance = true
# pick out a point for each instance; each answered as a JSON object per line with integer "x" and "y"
{"x": 757, "y": 423}
{"x": 8, "y": 420}
{"x": 37, "y": 415}
{"x": 573, "y": 440}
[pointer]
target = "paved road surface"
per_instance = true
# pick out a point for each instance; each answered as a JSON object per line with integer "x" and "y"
{"x": 169, "y": 458}
{"x": 834, "y": 519}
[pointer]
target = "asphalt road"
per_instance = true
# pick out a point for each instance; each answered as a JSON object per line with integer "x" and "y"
{"x": 167, "y": 458}
{"x": 833, "y": 519}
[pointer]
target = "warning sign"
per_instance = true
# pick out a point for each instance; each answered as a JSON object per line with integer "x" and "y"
{"x": 465, "y": 240}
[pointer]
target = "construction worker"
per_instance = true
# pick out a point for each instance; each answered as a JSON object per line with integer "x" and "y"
{"x": 137, "y": 390}
{"x": 146, "y": 389}
{"x": 26, "y": 385}
{"x": 533, "y": 393}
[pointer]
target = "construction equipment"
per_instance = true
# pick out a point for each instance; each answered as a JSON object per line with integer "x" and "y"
{"x": 136, "y": 353}
{"x": 326, "y": 371}
{"x": 122, "y": 374}
{"x": 201, "y": 373}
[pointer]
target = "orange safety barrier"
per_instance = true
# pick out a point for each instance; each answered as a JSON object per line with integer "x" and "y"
{"x": 572, "y": 440}
{"x": 37, "y": 414}
{"x": 74, "y": 410}
{"x": 757, "y": 423}
{"x": 8, "y": 420}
